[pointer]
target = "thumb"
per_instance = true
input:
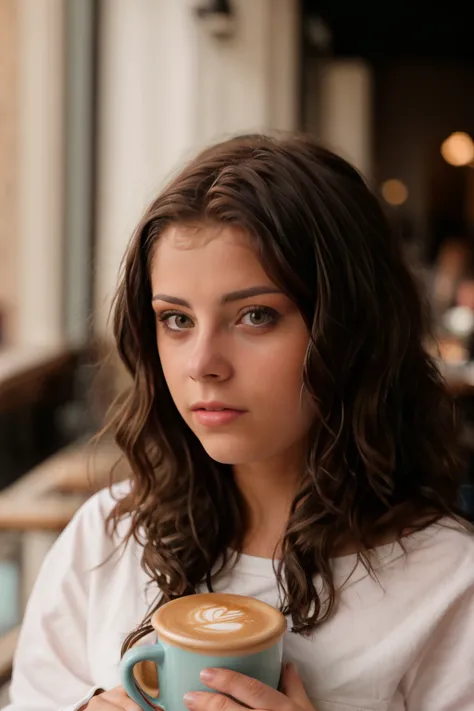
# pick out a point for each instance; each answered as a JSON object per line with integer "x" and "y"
{"x": 292, "y": 686}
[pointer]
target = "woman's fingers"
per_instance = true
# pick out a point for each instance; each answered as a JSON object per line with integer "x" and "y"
{"x": 292, "y": 686}
{"x": 244, "y": 689}
{"x": 116, "y": 699}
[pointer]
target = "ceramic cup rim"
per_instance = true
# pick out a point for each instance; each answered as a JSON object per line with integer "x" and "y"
{"x": 230, "y": 646}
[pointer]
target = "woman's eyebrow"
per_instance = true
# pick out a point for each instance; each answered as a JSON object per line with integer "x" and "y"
{"x": 227, "y": 298}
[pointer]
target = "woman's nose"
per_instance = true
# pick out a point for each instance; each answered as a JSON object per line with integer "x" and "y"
{"x": 208, "y": 362}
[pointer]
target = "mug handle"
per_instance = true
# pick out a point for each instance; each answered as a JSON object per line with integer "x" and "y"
{"x": 139, "y": 692}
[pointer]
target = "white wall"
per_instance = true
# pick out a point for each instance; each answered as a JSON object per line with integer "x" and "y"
{"x": 250, "y": 83}
{"x": 339, "y": 108}
{"x": 168, "y": 87}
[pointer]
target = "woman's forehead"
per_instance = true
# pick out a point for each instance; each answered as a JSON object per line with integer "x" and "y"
{"x": 214, "y": 257}
{"x": 193, "y": 235}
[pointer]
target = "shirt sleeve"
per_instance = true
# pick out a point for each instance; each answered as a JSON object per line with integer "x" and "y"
{"x": 443, "y": 677}
{"x": 51, "y": 669}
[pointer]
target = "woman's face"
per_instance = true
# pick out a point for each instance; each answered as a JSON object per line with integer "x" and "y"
{"x": 231, "y": 345}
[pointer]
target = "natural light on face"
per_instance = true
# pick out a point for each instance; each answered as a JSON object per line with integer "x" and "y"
{"x": 231, "y": 344}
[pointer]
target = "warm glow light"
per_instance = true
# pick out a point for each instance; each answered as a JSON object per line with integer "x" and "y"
{"x": 458, "y": 149}
{"x": 394, "y": 192}
{"x": 460, "y": 321}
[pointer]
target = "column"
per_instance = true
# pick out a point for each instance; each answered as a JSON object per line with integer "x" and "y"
{"x": 80, "y": 107}
{"x": 41, "y": 172}
{"x": 146, "y": 120}
{"x": 8, "y": 172}
{"x": 345, "y": 101}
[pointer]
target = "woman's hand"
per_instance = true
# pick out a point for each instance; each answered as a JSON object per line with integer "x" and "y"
{"x": 250, "y": 692}
{"x": 116, "y": 699}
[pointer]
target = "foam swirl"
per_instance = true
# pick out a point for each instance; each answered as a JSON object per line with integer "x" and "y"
{"x": 218, "y": 619}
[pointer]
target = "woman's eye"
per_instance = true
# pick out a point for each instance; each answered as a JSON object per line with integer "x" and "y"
{"x": 175, "y": 321}
{"x": 259, "y": 317}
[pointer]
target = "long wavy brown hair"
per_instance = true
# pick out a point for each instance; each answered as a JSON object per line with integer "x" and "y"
{"x": 383, "y": 450}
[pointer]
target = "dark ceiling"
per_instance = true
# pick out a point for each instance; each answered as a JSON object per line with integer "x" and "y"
{"x": 400, "y": 29}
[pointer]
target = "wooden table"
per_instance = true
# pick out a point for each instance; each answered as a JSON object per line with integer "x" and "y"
{"x": 49, "y": 495}
{"x": 8, "y": 644}
{"x": 25, "y": 372}
{"x": 41, "y": 503}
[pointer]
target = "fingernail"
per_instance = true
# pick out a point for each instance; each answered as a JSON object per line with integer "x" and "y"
{"x": 207, "y": 674}
{"x": 290, "y": 667}
{"x": 190, "y": 699}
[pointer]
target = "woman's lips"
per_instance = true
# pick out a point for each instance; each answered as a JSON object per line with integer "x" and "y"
{"x": 216, "y": 418}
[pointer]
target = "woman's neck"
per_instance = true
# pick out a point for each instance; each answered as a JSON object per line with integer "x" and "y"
{"x": 268, "y": 490}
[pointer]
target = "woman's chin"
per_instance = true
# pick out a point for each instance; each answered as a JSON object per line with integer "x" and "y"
{"x": 224, "y": 457}
{"x": 229, "y": 452}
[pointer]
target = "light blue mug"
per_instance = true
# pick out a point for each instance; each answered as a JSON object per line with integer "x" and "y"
{"x": 198, "y": 631}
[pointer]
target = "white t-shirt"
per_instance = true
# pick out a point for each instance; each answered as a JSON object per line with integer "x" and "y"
{"x": 405, "y": 641}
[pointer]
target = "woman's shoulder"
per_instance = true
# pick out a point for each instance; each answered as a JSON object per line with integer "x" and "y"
{"x": 87, "y": 538}
{"x": 101, "y": 503}
{"x": 448, "y": 537}
{"x": 96, "y": 509}
{"x": 442, "y": 554}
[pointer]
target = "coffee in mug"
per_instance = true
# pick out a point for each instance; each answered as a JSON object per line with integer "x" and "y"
{"x": 204, "y": 630}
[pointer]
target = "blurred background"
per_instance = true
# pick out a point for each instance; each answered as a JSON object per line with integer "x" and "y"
{"x": 101, "y": 100}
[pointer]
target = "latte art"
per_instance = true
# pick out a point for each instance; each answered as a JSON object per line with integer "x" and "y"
{"x": 219, "y": 619}
{"x": 219, "y": 623}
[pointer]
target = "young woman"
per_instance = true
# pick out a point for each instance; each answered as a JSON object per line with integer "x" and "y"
{"x": 288, "y": 438}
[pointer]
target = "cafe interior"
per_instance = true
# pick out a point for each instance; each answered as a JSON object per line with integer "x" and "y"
{"x": 391, "y": 88}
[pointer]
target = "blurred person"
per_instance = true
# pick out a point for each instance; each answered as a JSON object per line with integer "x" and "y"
{"x": 289, "y": 438}
{"x": 451, "y": 267}
{"x": 465, "y": 294}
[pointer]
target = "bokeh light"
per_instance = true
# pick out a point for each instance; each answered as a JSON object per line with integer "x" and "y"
{"x": 394, "y": 192}
{"x": 458, "y": 149}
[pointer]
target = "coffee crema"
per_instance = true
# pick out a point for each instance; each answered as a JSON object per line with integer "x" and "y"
{"x": 219, "y": 624}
